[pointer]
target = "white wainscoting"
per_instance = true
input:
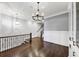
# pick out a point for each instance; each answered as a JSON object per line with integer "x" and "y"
{"x": 58, "y": 37}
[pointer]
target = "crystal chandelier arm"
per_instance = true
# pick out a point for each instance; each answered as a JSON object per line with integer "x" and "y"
{"x": 38, "y": 6}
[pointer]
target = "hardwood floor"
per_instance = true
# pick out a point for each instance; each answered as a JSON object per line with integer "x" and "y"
{"x": 37, "y": 49}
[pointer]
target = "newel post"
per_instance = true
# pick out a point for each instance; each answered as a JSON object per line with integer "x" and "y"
{"x": 30, "y": 38}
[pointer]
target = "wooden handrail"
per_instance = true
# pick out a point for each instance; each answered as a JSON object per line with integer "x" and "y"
{"x": 13, "y": 35}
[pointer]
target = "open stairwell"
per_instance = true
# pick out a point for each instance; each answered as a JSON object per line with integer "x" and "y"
{"x": 36, "y": 48}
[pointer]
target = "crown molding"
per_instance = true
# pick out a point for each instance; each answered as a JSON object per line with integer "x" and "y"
{"x": 57, "y": 14}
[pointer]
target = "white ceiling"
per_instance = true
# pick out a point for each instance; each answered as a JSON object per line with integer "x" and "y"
{"x": 24, "y": 9}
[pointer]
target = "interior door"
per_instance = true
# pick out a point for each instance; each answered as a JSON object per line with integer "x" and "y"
{"x": 72, "y": 28}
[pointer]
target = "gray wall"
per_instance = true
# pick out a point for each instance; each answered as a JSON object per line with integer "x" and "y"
{"x": 57, "y": 23}
{"x": 56, "y": 30}
{"x": 77, "y": 25}
{"x": 77, "y": 20}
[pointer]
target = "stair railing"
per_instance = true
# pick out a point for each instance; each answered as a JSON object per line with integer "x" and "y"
{"x": 8, "y": 42}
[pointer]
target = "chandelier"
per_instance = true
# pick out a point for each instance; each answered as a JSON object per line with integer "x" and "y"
{"x": 38, "y": 16}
